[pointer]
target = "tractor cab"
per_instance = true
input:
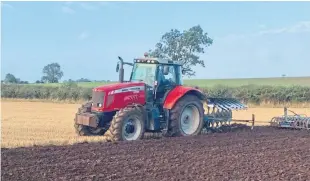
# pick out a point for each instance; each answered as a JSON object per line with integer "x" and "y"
{"x": 159, "y": 75}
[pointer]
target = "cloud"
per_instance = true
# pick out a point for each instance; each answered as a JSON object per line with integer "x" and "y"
{"x": 84, "y": 35}
{"x": 299, "y": 27}
{"x": 302, "y": 26}
{"x": 70, "y": 7}
{"x": 67, "y": 10}
{"x": 5, "y": 5}
{"x": 272, "y": 31}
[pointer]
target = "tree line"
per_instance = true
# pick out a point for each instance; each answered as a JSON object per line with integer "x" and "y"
{"x": 253, "y": 94}
{"x": 52, "y": 73}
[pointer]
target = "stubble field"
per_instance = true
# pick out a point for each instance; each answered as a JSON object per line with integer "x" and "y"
{"x": 43, "y": 123}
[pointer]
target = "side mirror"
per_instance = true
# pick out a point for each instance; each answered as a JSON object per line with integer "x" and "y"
{"x": 117, "y": 67}
{"x": 166, "y": 70}
{"x": 183, "y": 71}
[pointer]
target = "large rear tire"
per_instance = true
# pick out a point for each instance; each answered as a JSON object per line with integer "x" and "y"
{"x": 186, "y": 117}
{"x": 127, "y": 125}
{"x": 83, "y": 130}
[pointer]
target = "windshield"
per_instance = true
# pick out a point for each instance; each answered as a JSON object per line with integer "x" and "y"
{"x": 144, "y": 72}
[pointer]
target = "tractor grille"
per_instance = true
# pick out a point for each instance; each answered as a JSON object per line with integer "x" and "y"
{"x": 98, "y": 98}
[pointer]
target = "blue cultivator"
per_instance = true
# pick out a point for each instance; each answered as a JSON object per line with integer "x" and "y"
{"x": 219, "y": 113}
{"x": 295, "y": 121}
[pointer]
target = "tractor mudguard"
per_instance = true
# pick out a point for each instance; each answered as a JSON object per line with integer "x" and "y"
{"x": 178, "y": 92}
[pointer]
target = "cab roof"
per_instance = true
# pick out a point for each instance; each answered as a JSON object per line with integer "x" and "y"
{"x": 156, "y": 61}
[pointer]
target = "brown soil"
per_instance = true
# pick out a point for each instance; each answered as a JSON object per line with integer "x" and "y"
{"x": 260, "y": 154}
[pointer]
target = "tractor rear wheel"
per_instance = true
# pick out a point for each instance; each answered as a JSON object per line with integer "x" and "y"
{"x": 127, "y": 125}
{"x": 83, "y": 130}
{"x": 186, "y": 118}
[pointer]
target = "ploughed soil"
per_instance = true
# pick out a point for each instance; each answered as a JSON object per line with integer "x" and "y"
{"x": 261, "y": 154}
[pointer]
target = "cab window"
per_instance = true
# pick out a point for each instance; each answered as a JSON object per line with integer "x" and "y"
{"x": 144, "y": 73}
{"x": 167, "y": 73}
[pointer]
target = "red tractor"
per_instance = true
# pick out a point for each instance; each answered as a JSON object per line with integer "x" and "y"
{"x": 153, "y": 100}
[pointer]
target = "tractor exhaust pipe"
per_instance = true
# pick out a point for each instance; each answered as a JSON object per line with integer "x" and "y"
{"x": 120, "y": 68}
{"x": 121, "y": 72}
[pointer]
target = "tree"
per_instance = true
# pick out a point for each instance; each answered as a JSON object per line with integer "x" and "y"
{"x": 52, "y": 73}
{"x": 10, "y": 78}
{"x": 184, "y": 47}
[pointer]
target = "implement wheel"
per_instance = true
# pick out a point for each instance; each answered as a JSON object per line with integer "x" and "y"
{"x": 186, "y": 118}
{"x": 127, "y": 125}
{"x": 83, "y": 130}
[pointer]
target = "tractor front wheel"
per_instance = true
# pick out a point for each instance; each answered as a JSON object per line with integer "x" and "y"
{"x": 127, "y": 125}
{"x": 83, "y": 130}
{"x": 186, "y": 118}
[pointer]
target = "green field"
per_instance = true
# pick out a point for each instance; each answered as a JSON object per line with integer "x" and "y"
{"x": 286, "y": 81}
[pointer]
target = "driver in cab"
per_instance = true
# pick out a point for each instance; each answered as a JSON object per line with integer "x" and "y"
{"x": 163, "y": 70}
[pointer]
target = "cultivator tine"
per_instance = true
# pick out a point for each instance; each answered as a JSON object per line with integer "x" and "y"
{"x": 219, "y": 113}
{"x": 222, "y": 105}
{"x": 231, "y": 104}
{"x": 227, "y": 103}
{"x": 234, "y": 104}
{"x": 238, "y": 105}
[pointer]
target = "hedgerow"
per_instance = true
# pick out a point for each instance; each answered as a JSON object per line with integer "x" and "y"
{"x": 248, "y": 94}
{"x": 67, "y": 91}
{"x": 263, "y": 94}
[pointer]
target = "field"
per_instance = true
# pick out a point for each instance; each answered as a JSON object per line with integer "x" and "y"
{"x": 37, "y": 123}
{"x": 262, "y": 154}
{"x": 286, "y": 81}
{"x": 30, "y": 131}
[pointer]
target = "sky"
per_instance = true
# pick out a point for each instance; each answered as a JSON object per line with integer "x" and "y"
{"x": 250, "y": 39}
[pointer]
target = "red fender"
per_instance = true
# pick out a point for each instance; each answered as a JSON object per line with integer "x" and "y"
{"x": 178, "y": 92}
